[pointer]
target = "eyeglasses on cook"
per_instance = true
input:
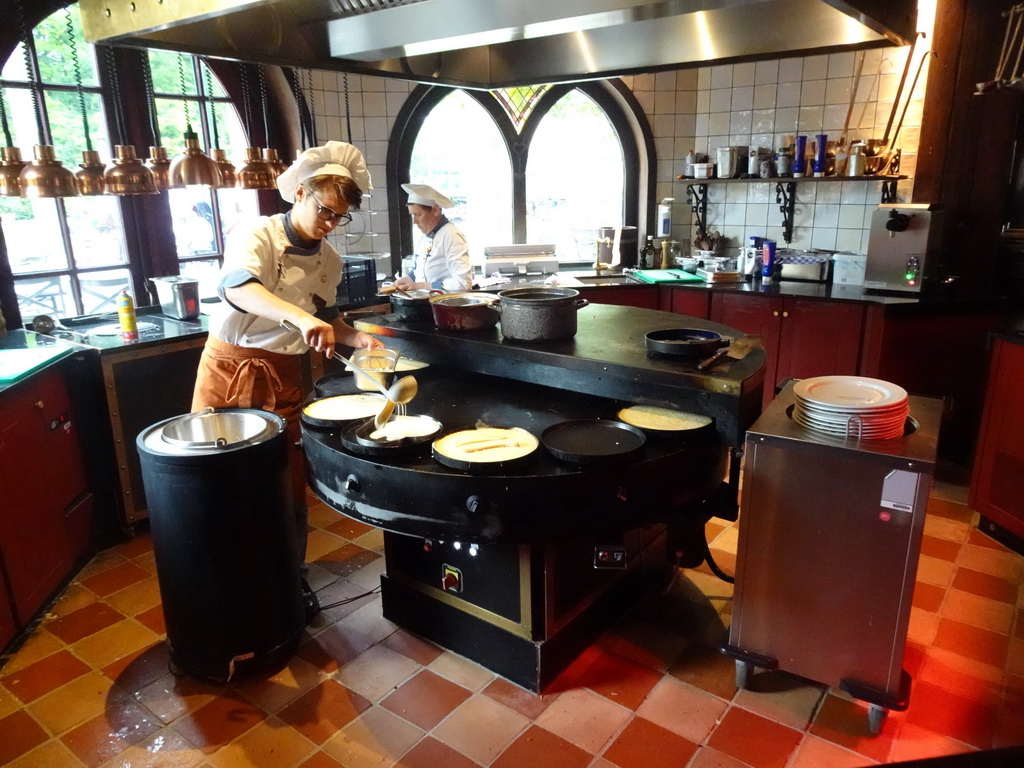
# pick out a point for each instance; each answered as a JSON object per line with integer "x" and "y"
{"x": 326, "y": 214}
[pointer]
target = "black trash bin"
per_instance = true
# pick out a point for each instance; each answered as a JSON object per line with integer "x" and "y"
{"x": 222, "y": 522}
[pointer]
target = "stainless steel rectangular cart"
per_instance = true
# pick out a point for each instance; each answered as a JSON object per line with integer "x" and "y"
{"x": 830, "y": 533}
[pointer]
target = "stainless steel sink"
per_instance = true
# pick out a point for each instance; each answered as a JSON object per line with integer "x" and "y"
{"x": 589, "y": 278}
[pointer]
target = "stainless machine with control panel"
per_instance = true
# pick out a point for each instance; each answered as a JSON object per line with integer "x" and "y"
{"x": 903, "y": 247}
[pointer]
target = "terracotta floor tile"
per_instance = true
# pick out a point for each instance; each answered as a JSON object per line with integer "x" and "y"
{"x": 707, "y": 757}
{"x": 108, "y": 734}
{"x": 946, "y": 528}
{"x": 416, "y": 648}
{"x": 783, "y": 698}
{"x": 74, "y": 597}
{"x": 36, "y": 647}
{"x": 623, "y": 681}
{"x": 220, "y": 721}
{"x": 754, "y": 739}
{"x": 136, "y": 598}
{"x": 461, "y": 671}
{"x": 647, "y": 642}
{"x": 707, "y": 668}
{"x": 368, "y": 620}
{"x": 376, "y": 672}
{"x": 171, "y": 696}
{"x": 526, "y": 703}
{"x": 140, "y": 544}
{"x": 37, "y": 679}
{"x": 274, "y": 690}
{"x": 949, "y": 509}
{"x": 932, "y": 570}
{"x": 164, "y": 748}
{"x": 137, "y": 670}
{"x": 986, "y": 585}
{"x": 585, "y": 719}
{"x": 981, "y": 539}
{"x": 320, "y": 760}
{"x": 917, "y": 743}
{"x": 323, "y": 710}
{"x": 950, "y": 714}
{"x": 375, "y": 738}
{"x": 993, "y": 615}
{"x": 346, "y": 559}
{"x": 114, "y": 642}
{"x": 480, "y": 728}
{"x": 682, "y": 709}
{"x": 431, "y": 753}
{"x": 973, "y": 642}
{"x": 19, "y": 732}
{"x": 49, "y": 754}
{"x": 928, "y": 597}
{"x": 845, "y": 722}
{"x": 76, "y": 702}
{"x": 942, "y": 549}
{"x": 1000, "y": 563}
{"x": 116, "y": 578}
{"x": 332, "y": 649}
{"x": 101, "y": 561}
{"x": 83, "y": 622}
{"x": 154, "y": 620}
{"x": 267, "y": 743}
{"x": 818, "y": 753}
{"x": 349, "y": 528}
{"x": 1018, "y": 631}
{"x": 538, "y": 748}
{"x": 425, "y": 699}
{"x": 643, "y": 744}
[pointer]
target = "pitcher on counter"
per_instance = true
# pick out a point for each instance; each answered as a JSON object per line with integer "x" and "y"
{"x": 282, "y": 268}
{"x": 442, "y": 254}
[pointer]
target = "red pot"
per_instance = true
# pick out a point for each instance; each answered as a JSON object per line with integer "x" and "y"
{"x": 467, "y": 311}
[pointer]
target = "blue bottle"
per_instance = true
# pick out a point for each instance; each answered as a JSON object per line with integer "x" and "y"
{"x": 768, "y": 261}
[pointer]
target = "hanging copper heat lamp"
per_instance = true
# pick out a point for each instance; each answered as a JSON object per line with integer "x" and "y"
{"x": 256, "y": 173}
{"x": 159, "y": 165}
{"x": 90, "y": 175}
{"x": 228, "y": 175}
{"x": 46, "y": 177}
{"x": 273, "y": 159}
{"x": 191, "y": 167}
{"x": 125, "y": 174}
{"x": 11, "y": 165}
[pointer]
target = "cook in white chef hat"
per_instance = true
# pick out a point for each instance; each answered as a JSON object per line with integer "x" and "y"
{"x": 424, "y": 194}
{"x": 335, "y": 158}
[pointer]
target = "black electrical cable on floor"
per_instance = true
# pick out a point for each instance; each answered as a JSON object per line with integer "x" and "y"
{"x": 710, "y": 560}
{"x": 352, "y": 599}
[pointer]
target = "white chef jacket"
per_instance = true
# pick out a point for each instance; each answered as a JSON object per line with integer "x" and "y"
{"x": 269, "y": 251}
{"x": 442, "y": 259}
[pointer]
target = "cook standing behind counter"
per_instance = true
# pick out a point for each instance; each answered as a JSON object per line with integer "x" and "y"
{"x": 281, "y": 268}
{"x": 442, "y": 254}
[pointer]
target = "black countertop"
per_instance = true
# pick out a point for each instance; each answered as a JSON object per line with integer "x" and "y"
{"x": 102, "y": 332}
{"x": 23, "y": 353}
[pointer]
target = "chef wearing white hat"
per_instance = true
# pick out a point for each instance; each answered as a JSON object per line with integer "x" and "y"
{"x": 281, "y": 268}
{"x": 441, "y": 254}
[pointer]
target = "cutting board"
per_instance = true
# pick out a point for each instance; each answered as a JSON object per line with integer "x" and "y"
{"x": 16, "y": 364}
{"x": 666, "y": 276}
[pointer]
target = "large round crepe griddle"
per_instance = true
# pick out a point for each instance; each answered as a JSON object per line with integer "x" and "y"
{"x": 481, "y": 464}
{"x": 363, "y": 405}
{"x": 593, "y": 441}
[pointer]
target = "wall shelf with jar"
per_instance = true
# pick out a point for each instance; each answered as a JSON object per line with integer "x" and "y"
{"x": 785, "y": 194}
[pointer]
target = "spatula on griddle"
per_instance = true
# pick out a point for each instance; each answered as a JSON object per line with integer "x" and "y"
{"x": 737, "y": 350}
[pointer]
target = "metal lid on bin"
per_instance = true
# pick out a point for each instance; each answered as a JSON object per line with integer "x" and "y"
{"x": 212, "y": 431}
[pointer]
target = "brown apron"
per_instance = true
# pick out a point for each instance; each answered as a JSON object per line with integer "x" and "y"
{"x": 230, "y": 376}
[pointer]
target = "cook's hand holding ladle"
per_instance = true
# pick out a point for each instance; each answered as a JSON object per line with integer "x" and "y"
{"x": 401, "y": 392}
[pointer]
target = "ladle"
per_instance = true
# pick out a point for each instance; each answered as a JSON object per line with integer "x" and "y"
{"x": 401, "y": 392}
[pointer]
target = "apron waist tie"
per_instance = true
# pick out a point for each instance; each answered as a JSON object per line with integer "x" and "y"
{"x": 242, "y": 382}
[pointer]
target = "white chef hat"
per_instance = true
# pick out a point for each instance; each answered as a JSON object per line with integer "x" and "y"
{"x": 424, "y": 194}
{"x": 335, "y": 158}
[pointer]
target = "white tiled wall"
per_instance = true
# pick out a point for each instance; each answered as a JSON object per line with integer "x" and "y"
{"x": 759, "y": 104}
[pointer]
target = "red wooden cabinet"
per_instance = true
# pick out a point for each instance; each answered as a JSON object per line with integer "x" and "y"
{"x": 801, "y": 337}
{"x": 42, "y": 477}
{"x": 643, "y": 296}
{"x": 8, "y": 626}
{"x": 999, "y": 459}
{"x": 684, "y": 301}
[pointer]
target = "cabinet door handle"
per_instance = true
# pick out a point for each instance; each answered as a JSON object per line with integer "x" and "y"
{"x": 785, "y": 314}
{"x": 775, "y": 313}
{"x": 39, "y": 404}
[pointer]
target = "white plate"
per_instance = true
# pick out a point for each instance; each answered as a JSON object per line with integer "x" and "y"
{"x": 849, "y": 392}
{"x": 841, "y": 422}
{"x": 882, "y": 409}
{"x": 865, "y": 433}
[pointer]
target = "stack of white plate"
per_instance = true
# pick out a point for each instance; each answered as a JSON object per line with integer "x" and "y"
{"x": 851, "y": 406}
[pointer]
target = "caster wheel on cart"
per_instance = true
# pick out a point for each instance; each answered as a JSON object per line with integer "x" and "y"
{"x": 876, "y": 718}
{"x": 744, "y": 669}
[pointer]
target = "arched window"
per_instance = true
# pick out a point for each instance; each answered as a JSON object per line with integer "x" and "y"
{"x": 72, "y": 255}
{"x": 543, "y": 164}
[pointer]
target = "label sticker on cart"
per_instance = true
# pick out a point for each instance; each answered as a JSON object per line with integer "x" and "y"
{"x": 899, "y": 489}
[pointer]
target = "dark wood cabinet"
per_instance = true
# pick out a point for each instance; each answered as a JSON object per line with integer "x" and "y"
{"x": 8, "y": 626}
{"x": 801, "y": 337}
{"x": 643, "y": 296}
{"x": 999, "y": 460}
{"x": 682, "y": 301}
{"x": 43, "y": 479}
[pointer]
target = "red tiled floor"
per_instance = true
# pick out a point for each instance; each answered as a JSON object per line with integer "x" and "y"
{"x": 538, "y": 748}
{"x": 623, "y": 681}
{"x": 425, "y": 699}
{"x": 943, "y": 549}
{"x": 83, "y": 622}
{"x": 972, "y": 642}
{"x": 215, "y": 724}
{"x": 19, "y": 732}
{"x": 153, "y": 619}
{"x": 113, "y": 579}
{"x": 122, "y": 724}
{"x": 431, "y": 753}
{"x": 928, "y": 597}
{"x": 332, "y": 649}
{"x": 37, "y": 679}
{"x": 985, "y": 585}
{"x": 419, "y": 650}
{"x": 951, "y": 510}
{"x": 347, "y": 559}
{"x": 952, "y": 714}
{"x": 643, "y": 744}
{"x": 754, "y": 739}
{"x": 348, "y": 528}
{"x": 319, "y": 713}
{"x": 845, "y": 723}
{"x": 137, "y": 670}
{"x": 527, "y": 704}
{"x": 706, "y": 668}
{"x": 321, "y": 760}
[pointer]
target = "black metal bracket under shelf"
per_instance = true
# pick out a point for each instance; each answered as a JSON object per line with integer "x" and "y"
{"x": 785, "y": 196}
{"x": 697, "y": 197}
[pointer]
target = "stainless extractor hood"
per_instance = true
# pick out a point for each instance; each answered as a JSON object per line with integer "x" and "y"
{"x": 499, "y": 43}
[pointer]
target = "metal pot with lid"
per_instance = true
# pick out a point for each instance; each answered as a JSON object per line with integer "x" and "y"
{"x": 414, "y": 306}
{"x": 211, "y": 431}
{"x": 539, "y": 314}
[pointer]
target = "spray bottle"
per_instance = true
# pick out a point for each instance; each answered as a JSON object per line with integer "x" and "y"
{"x": 126, "y": 317}
{"x": 665, "y": 217}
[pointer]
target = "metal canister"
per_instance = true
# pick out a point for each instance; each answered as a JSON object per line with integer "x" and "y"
{"x": 784, "y": 163}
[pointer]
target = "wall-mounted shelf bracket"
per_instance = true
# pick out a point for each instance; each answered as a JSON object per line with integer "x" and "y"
{"x": 889, "y": 191}
{"x": 697, "y": 197}
{"x": 785, "y": 196}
